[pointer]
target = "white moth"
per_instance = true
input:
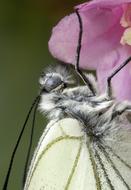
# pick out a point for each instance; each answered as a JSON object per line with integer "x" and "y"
{"x": 87, "y": 143}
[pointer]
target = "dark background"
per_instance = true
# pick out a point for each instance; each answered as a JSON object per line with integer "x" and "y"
{"x": 25, "y": 28}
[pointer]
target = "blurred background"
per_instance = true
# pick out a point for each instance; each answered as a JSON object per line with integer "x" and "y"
{"x": 25, "y": 28}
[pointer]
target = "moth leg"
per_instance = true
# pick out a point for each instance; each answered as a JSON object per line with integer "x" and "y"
{"x": 82, "y": 108}
{"x": 79, "y": 92}
{"x": 121, "y": 108}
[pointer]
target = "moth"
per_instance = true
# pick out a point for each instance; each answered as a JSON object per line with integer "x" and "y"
{"x": 87, "y": 143}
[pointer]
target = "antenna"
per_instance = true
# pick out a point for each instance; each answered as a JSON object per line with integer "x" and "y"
{"x": 30, "y": 144}
{"x": 18, "y": 141}
{"x": 77, "y": 66}
{"x": 109, "y": 89}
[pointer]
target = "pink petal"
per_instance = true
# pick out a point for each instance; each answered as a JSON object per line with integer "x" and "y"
{"x": 101, "y": 4}
{"x": 62, "y": 43}
{"x": 102, "y": 32}
{"x": 101, "y": 48}
{"x": 121, "y": 83}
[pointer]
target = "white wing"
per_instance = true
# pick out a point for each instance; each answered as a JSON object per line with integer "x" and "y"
{"x": 113, "y": 160}
{"x": 66, "y": 159}
{"x": 62, "y": 160}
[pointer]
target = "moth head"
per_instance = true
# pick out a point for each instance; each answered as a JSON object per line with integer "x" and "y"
{"x": 55, "y": 79}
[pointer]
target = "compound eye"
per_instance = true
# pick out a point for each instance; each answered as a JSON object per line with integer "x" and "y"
{"x": 50, "y": 82}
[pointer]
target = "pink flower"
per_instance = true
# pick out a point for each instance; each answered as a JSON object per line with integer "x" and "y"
{"x": 106, "y": 41}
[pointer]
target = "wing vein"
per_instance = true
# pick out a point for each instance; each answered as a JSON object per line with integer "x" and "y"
{"x": 108, "y": 158}
{"x": 47, "y": 148}
{"x": 74, "y": 167}
{"x": 95, "y": 169}
{"x": 104, "y": 170}
{"x": 117, "y": 156}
